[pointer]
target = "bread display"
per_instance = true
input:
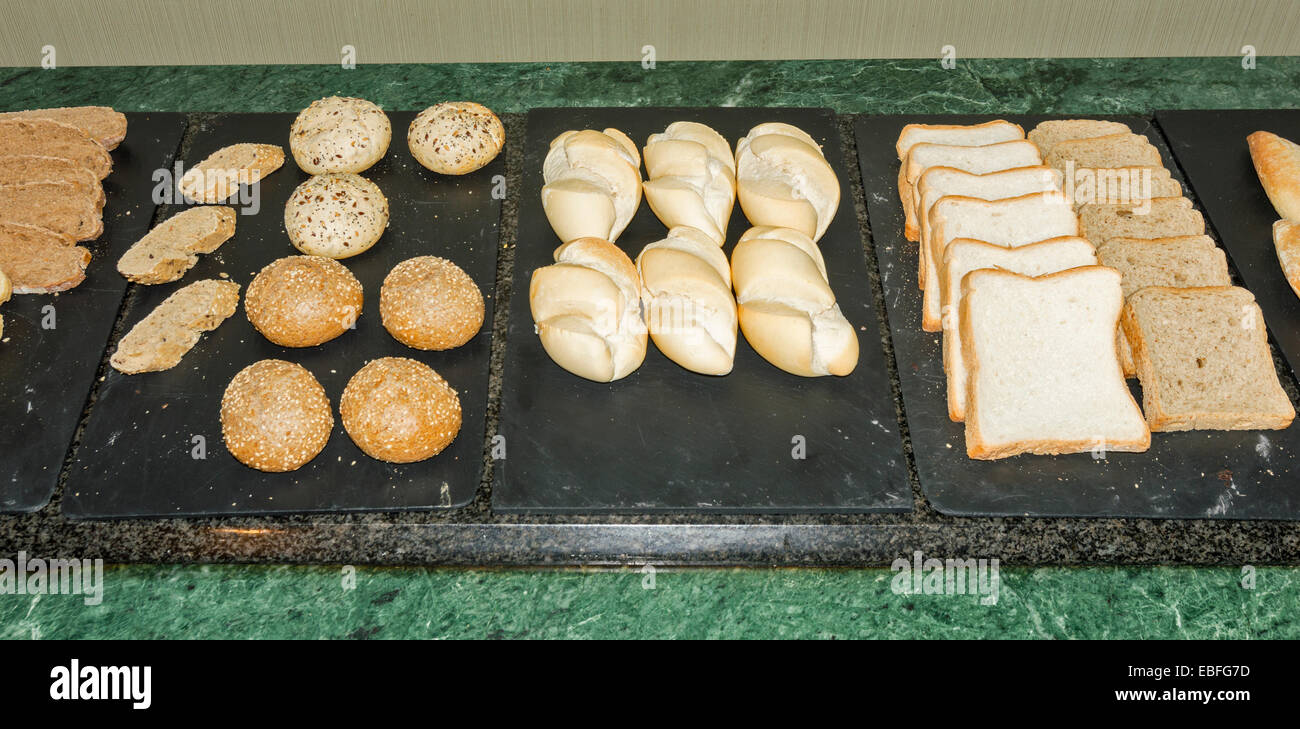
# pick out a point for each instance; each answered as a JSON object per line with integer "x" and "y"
{"x": 430, "y": 303}
{"x": 400, "y": 411}
{"x": 786, "y": 307}
{"x": 784, "y": 181}
{"x": 303, "y": 301}
{"x": 275, "y": 416}
{"x": 172, "y": 247}
{"x": 455, "y": 137}
{"x": 217, "y": 178}
{"x": 977, "y": 160}
{"x": 1125, "y": 149}
{"x": 101, "y": 123}
{"x": 339, "y": 134}
{"x": 952, "y": 135}
{"x": 592, "y": 184}
{"x": 1203, "y": 360}
{"x": 55, "y": 206}
{"x": 41, "y": 261}
{"x": 1286, "y": 242}
{"x": 587, "y": 310}
{"x": 1049, "y": 133}
{"x": 1043, "y": 373}
{"x": 686, "y": 295}
{"x": 1162, "y": 217}
{"x": 692, "y": 178}
{"x": 21, "y": 168}
{"x": 169, "y": 332}
{"x": 1277, "y": 162}
{"x": 48, "y": 138}
{"x": 336, "y": 215}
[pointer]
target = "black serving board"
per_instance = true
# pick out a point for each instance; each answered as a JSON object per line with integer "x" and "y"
{"x": 136, "y": 457}
{"x": 668, "y": 440}
{"x": 1198, "y": 474}
{"x": 47, "y": 373}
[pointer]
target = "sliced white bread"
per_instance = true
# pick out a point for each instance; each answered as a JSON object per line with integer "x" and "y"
{"x": 976, "y": 159}
{"x": 1010, "y": 223}
{"x": 1047, "y": 134}
{"x": 990, "y": 132}
{"x": 1043, "y": 376}
{"x": 964, "y": 256}
{"x": 1203, "y": 359}
{"x": 1120, "y": 185}
{"x": 1161, "y": 217}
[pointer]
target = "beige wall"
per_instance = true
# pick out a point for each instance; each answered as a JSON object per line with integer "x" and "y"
{"x": 165, "y": 32}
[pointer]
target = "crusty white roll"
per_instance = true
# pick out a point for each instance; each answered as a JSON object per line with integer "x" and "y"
{"x": 689, "y": 309}
{"x": 587, "y": 310}
{"x": 593, "y": 184}
{"x": 784, "y": 181}
{"x": 692, "y": 178}
{"x": 787, "y": 310}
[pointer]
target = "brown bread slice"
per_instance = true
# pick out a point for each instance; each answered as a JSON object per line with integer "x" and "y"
{"x": 101, "y": 123}
{"x": 217, "y": 178}
{"x": 1120, "y": 185}
{"x": 170, "y": 331}
{"x": 58, "y": 206}
{"x": 171, "y": 249}
{"x": 1165, "y": 218}
{"x": 1048, "y": 134}
{"x": 54, "y": 139}
{"x": 40, "y": 261}
{"x": 1203, "y": 359}
{"x": 1112, "y": 150}
{"x": 19, "y": 168}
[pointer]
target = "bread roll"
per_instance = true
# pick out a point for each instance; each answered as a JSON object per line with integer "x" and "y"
{"x": 593, "y": 184}
{"x": 337, "y": 215}
{"x": 430, "y": 303}
{"x": 400, "y": 411}
{"x": 692, "y": 178}
{"x": 303, "y": 301}
{"x": 455, "y": 137}
{"x": 689, "y": 309}
{"x": 787, "y": 309}
{"x": 339, "y": 134}
{"x": 275, "y": 416}
{"x": 587, "y": 309}
{"x": 784, "y": 180}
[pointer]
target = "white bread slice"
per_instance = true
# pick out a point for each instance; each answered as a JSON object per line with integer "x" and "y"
{"x": 939, "y": 182}
{"x": 1047, "y": 134}
{"x": 963, "y": 256}
{"x": 975, "y": 159}
{"x": 1043, "y": 375}
{"x": 1013, "y": 222}
{"x": 967, "y": 135}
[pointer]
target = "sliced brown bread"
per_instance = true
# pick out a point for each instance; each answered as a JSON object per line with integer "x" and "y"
{"x": 101, "y": 123}
{"x": 170, "y": 331}
{"x": 1162, "y": 217}
{"x": 172, "y": 248}
{"x": 1112, "y": 150}
{"x": 1049, "y": 133}
{"x": 218, "y": 177}
{"x": 1120, "y": 185}
{"x": 58, "y": 206}
{"x": 54, "y": 139}
{"x": 1203, "y": 360}
{"x": 19, "y": 168}
{"x": 40, "y": 261}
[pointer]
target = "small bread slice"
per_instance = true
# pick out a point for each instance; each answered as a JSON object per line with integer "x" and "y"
{"x": 170, "y": 331}
{"x": 1043, "y": 377}
{"x": 1161, "y": 217}
{"x": 1203, "y": 360}
{"x": 963, "y": 256}
{"x": 1120, "y": 185}
{"x": 58, "y": 206}
{"x": 40, "y": 261}
{"x": 975, "y": 159}
{"x": 172, "y": 248}
{"x": 101, "y": 123}
{"x": 1047, "y": 134}
{"x": 19, "y": 168}
{"x": 54, "y": 139}
{"x": 966, "y": 135}
{"x": 1112, "y": 150}
{"x": 1277, "y": 162}
{"x": 1286, "y": 241}
{"x": 1010, "y": 223}
{"x": 217, "y": 178}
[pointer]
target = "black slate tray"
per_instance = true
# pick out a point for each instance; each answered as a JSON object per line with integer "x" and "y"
{"x": 135, "y": 458}
{"x": 665, "y": 439}
{"x": 46, "y": 374}
{"x": 1199, "y": 474}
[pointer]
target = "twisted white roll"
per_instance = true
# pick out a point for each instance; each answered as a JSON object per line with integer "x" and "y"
{"x": 785, "y": 181}
{"x": 692, "y": 178}
{"x": 593, "y": 184}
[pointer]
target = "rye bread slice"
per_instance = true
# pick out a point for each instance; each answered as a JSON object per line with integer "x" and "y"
{"x": 1047, "y": 134}
{"x": 101, "y": 123}
{"x": 1203, "y": 360}
{"x": 1112, "y": 150}
{"x": 217, "y": 178}
{"x": 19, "y": 168}
{"x": 170, "y": 331}
{"x": 171, "y": 248}
{"x": 54, "y": 139}
{"x": 58, "y": 206}
{"x": 1161, "y": 217}
{"x": 40, "y": 261}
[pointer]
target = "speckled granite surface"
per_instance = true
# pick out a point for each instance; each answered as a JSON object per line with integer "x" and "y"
{"x": 1055, "y": 602}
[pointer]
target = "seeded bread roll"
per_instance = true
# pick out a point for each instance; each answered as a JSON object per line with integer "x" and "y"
{"x": 20, "y": 168}
{"x": 100, "y": 123}
{"x": 54, "y": 139}
{"x": 338, "y": 215}
{"x": 303, "y": 301}
{"x": 41, "y": 261}
{"x": 172, "y": 248}
{"x": 339, "y": 134}
{"x": 217, "y": 178}
{"x": 455, "y": 137}
{"x": 430, "y": 303}
{"x": 275, "y": 416}
{"x": 400, "y": 411}
{"x": 169, "y": 332}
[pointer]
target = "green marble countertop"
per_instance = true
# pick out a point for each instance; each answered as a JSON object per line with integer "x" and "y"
{"x": 309, "y": 602}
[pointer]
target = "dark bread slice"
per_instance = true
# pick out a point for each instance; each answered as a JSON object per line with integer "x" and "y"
{"x": 19, "y": 168}
{"x": 170, "y": 331}
{"x": 40, "y": 261}
{"x": 101, "y": 123}
{"x": 54, "y": 139}
{"x": 58, "y": 206}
